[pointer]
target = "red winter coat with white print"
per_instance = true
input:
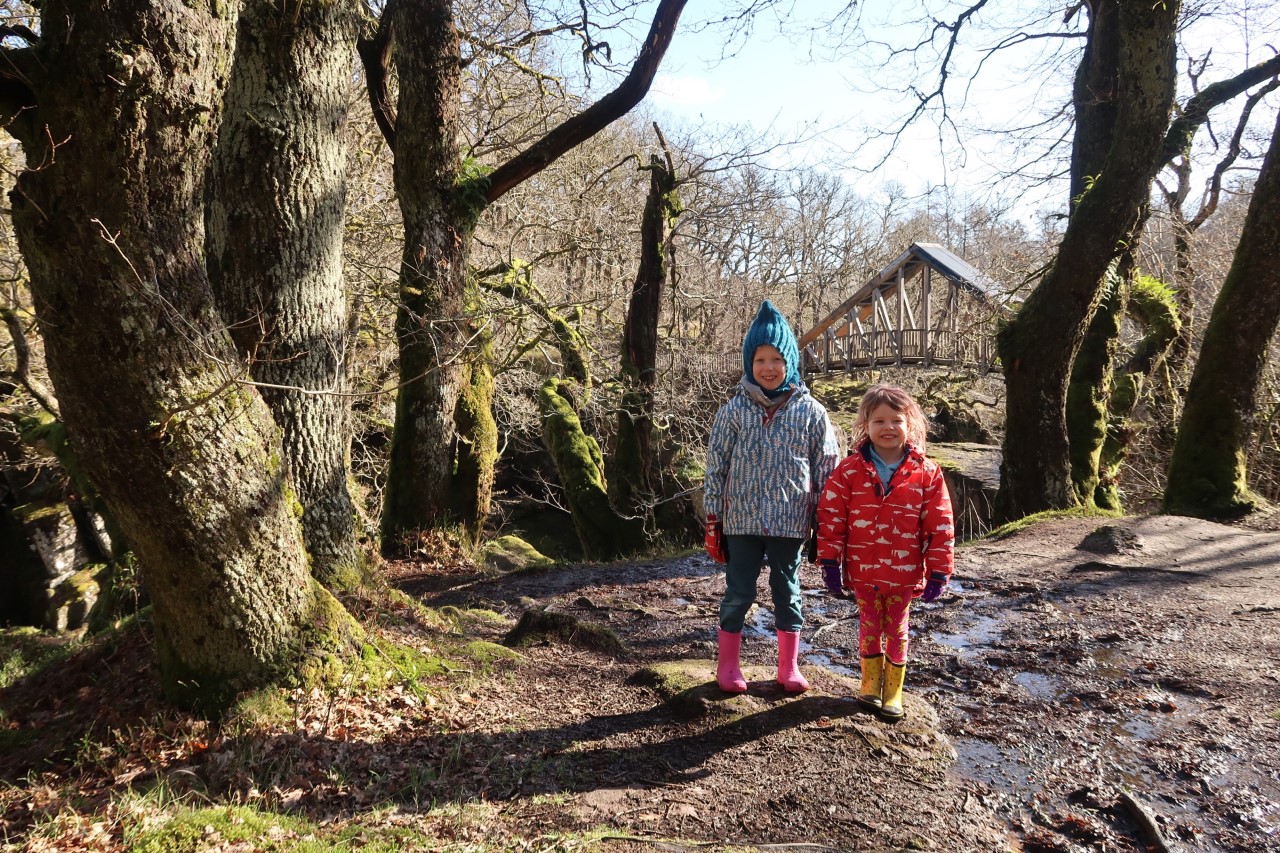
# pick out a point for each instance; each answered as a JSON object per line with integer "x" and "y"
{"x": 894, "y": 536}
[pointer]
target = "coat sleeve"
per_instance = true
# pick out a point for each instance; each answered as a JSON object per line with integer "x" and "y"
{"x": 824, "y": 452}
{"x": 833, "y": 516}
{"x": 719, "y": 451}
{"x": 937, "y": 527}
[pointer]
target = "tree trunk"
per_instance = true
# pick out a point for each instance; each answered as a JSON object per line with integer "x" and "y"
{"x": 431, "y": 322}
{"x": 275, "y": 251}
{"x": 440, "y": 200}
{"x": 1039, "y": 346}
{"x": 604, "y": 534}
{"x": 1153, "y": 304}
{"x": 1207, "y": 474}
{"x": 1089, "y": 391}
{"x": 110, "y": 219}
{"x": 631, "y": 480}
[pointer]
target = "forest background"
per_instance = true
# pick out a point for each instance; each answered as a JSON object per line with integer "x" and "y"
{"x": 291, "y": 287}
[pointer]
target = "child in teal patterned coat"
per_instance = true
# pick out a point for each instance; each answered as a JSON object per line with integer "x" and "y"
{"x": 770, "y": 451}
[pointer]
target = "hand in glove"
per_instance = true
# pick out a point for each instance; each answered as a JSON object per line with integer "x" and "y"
{"x": 716, "y": 549}
{"x": 831, "y": 577}
{"x": 811, "y": 547}
{"x": 933, "y": 589}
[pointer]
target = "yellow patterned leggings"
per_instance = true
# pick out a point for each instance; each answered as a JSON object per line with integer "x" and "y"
{"x": 882, "y": 621}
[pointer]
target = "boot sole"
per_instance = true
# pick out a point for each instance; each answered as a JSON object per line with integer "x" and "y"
{"x": 890, "y": 717}
{"x": 869, "y": 703}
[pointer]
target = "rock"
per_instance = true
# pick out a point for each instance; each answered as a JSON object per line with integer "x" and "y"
{"x": 72, "y": 599}
{"x": 973, "y": 478}
{"x": 511, "y": 554}
{"x": 1111, "y": 539}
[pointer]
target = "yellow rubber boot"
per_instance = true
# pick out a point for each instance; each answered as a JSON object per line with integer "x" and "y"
{"x": 872, "y": 673}
{"x": 891, "y": 705}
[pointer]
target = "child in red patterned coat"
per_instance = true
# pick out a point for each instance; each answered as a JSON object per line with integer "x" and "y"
{"x": 885, "y": 532}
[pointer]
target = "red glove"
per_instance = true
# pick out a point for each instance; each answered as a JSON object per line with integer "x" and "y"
{"x": 716, "y": 549}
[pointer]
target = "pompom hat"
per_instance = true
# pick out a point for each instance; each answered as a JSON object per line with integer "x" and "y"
{"x": 770, "y": 327}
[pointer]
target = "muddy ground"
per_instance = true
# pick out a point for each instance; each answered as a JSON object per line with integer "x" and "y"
{"x": 1123, "y": 698}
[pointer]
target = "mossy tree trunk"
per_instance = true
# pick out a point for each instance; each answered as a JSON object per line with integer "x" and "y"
{"x": 431, "y": 322}
{"x": 441, "y": 197}
{"x": 120, "y": 107}
{"x": 604, "y": 534}
{"x": 1038, "y": 347}
{"x": 632, "y": 473}
{"x": 275, "y": 250}
{"x": 1089, "y": 391}
{"x": 1207, "y": 472}
{"x": 1154, "y": 305}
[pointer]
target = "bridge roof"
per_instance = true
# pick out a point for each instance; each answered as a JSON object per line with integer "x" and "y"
{"x": 949, "y": 264}
{"x": 937, "y": 257}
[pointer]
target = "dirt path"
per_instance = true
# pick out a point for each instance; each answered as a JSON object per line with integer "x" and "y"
{"x": 1061, "y": 699}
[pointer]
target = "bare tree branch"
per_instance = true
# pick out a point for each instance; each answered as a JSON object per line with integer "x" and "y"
{"x": 22, "y": 356}
{"x": 1183, "y": 129}
{"x": 375, "y": 55}
{"x": 590, "y": 121}
{"x": 1213, "y": 189}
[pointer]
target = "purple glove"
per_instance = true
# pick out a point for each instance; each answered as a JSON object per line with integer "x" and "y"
{"x": 933, "y": 589}
{"x": 831, "y": 577}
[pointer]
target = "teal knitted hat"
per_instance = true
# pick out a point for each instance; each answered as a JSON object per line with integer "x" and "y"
{"x": 770, "y": 327}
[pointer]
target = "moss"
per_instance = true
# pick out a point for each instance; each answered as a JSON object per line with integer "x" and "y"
{"x": 477, "y": 431}
{"x": 669, "y": 679}
{"x": 604, "y": 534}
{"x": 488, "y": 654}
{"x": 511, "y": 553}
{"x": 1018, "y": 525}
{"x": 1089, "y": 389}
{"x": 470, "y": 190}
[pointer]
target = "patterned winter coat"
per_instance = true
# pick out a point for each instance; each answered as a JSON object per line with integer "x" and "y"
{"x": 765, "y": 469}
{"x": 887, "y": 537}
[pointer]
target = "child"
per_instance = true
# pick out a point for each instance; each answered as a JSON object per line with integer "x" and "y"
{"x": 885, "y": 516}
{"x": 771, "y": 448}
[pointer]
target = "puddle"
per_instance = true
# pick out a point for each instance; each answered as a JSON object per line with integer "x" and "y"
{"x": 1038, "y": 685}
{"x": 981, "y": 631}
{"x": 982, "y": 761}
{"x": 825, "y": 661}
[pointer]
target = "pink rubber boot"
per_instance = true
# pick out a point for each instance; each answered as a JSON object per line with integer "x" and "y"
{"x": 728, "y": 665}
{"x": 788, "y": 670}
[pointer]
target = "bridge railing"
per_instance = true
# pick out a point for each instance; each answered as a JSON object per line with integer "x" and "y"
{"x": 860, "y": 350}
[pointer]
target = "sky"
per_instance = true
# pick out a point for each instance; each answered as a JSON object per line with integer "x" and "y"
{"x": 791, "y": 86}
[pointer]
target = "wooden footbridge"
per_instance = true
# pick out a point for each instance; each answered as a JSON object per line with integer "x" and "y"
{"x": 929, "y": 308}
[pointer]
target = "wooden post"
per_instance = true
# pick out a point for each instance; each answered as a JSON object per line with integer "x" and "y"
{"x": 875, "y": 325}
{"x": 902, "y": 299}
{"x": 924, "y": 304}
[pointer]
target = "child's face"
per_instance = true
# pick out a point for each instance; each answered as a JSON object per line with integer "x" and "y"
{"x": 768, "y": 367}
{"x": 887, "y": 429}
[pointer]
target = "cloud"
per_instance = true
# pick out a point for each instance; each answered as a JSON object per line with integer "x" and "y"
{"x": 685, "y": 91}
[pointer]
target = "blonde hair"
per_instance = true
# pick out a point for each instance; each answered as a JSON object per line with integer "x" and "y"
{"x": 898, "y": 400}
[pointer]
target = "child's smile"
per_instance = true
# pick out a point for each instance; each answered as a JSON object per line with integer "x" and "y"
{"x": 768, "y": 367}
{"x": 887, "y": 429}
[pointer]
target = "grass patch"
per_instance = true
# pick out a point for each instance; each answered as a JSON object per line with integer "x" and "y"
{"x": 26, "y": 651}
{"x": 1006, "y": 530}
{"x": 226, "y": 827}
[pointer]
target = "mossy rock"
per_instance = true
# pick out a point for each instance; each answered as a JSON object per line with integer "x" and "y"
{"x": 487, "y": 654}
{"x": 546, "y": 626}
{"x": 511, "y": 553}
{"x": 688, "y": 688}
{"x": 71, "y": 601}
